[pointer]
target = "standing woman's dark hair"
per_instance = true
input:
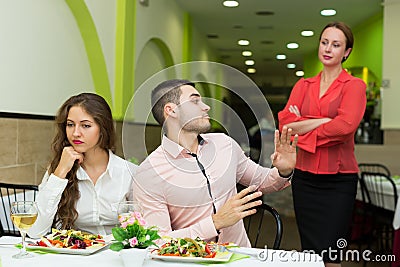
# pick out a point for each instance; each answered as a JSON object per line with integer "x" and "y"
{"x": 346, "y": 31}
{"x": 98, "y": 108}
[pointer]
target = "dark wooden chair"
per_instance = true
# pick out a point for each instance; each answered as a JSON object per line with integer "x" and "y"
{"x": 8, "y": 194}
{"x": 258, "y": 226}
{"x": 374, "y": 167}
{"x": 379, "y": 194}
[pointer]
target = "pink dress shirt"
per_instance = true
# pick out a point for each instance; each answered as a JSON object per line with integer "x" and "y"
{"x": 173, "y": 191}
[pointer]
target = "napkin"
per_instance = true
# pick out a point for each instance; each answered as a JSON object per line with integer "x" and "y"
{"x": 234, "y": 257}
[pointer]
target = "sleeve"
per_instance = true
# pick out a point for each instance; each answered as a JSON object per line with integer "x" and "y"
{"x": 49, "y": 195}
{"x": 296, "y": 98}
{"x": 250, "y": 173}
{"x": 350, "y": 113}
{"x": 148, "y": 191}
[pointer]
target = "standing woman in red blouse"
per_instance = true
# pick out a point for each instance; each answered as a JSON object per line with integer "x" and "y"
{"x": 325, "y": 112}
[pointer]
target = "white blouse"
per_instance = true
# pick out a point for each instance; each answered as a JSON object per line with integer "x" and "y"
{"x": 97, "y": 205}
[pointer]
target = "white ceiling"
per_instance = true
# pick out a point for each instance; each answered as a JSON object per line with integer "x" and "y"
{"x": 270, "y": 34}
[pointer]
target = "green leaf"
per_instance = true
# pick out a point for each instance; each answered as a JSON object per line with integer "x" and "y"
{"x": 117, "y": 246}
{"x": 119, "y": 234}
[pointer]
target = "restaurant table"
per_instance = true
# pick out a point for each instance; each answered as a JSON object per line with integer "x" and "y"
{"x": 111, "y": 258}
{"x": 388, "y": 193}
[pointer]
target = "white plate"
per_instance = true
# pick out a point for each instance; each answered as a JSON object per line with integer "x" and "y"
{"x": 86, "y": 251}
{"x": 220, "y": 257}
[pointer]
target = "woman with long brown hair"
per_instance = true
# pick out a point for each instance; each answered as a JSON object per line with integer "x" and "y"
{"x": 85, "y": 180}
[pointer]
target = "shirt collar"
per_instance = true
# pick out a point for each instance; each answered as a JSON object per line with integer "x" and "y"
{"x": 343, "y": 77}
{"x": 175, "y": 149}
{"x": 82, "y": 175}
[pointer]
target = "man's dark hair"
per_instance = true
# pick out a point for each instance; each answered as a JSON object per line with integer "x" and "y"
{"x": 166, "y": 92}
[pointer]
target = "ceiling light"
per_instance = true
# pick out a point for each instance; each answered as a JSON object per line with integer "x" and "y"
{"x": 243, "y": 42}
{"x": 307, "y": 33}
{"x": 328, "y": 12}
{"x": 247, "y": 53}
{"x": 299, "y": 73}
{"x": 265, "y": 13}
{"x": 281, "y": 57}
{"x": 230, "y": 3}
{"x": 251, "y": 70}
{"x": 249, "y": 62}
{"x": 291, "y": 66}
{"x": 292, "y": 45}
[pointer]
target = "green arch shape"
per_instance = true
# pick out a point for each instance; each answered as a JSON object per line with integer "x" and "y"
{"x": 165, "y": 51}
{"x": 93, "y": 48}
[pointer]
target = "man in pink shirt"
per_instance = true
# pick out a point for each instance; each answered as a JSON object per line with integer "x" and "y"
{"x": 187, "y": 186}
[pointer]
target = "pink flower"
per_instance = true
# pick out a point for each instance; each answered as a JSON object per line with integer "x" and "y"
{"x": 137, "y": 215}
{"x": 142, "y": 222}
{"x": 131, "y": 220}
{"x": 122, "y": 218}
{"x": 133, "y": 241}
{"x": 124, "y": 224}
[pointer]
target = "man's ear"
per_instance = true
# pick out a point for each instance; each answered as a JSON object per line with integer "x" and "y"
{"x": 169, "y": 110}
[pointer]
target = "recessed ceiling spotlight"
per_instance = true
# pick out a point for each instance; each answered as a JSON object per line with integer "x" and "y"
{"x": 307, "y": 33}
{"x": 230, "y": 3}
{"x": 281, "y": 56}
{"x": 328, "y": 12}
{"x": 247, "y": 53}
{"x": 212, "y": 36}
{"x": 299, "y": 73}
{"x": 292, "y": 45}
{"x": 243, "y": 42}
{"x": 249, "y": 62}
{"x": 251, "y": 70}
{"x": 291, "y": 66}
{"x": 265, "y": 13}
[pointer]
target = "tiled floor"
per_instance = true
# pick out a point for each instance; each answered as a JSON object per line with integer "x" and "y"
{"x": 291, "y": 240}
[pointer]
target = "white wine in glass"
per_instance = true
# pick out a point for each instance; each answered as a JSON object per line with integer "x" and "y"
{"x": 23, "y": 215}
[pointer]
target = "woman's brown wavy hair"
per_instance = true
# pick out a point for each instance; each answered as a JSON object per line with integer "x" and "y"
{"x": 98, "y": 108}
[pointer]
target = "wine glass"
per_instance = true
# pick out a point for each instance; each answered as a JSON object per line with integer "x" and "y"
{"x": 23, "y": 215}
{"x": 126, "y": 207}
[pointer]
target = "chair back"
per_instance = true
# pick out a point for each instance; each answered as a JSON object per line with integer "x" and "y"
{"x": 8, "y": 194}
{"x": 374, "y": 167}
{"x": 379, "y": 190}
{"x": 258, "y": 227}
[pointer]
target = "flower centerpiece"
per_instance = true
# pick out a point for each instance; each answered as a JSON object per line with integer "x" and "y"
{"x": 133, "y": 232}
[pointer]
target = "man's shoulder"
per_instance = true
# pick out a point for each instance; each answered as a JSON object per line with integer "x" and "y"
{"x": 156, "y": 156}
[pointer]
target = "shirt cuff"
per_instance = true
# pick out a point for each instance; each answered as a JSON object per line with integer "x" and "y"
{"x": 289, "y": 177}
{"x": 208, "y": 228}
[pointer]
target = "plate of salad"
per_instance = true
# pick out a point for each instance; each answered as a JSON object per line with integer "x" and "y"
{"x": 70, "y": 242}
{"x": 190, "y": 250}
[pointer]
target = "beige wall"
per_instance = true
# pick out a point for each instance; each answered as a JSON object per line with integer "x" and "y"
{"x": 387, "y": 154}
{"x": 25, "y": 147}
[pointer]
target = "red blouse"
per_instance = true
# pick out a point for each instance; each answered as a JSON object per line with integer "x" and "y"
{"x": 329, "y": 148}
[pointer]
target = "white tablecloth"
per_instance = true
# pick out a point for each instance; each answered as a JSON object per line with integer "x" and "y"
{"x": 388, "y": 195}
{"x": 112, "y": 259}
{"x": 396, "y": 220}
